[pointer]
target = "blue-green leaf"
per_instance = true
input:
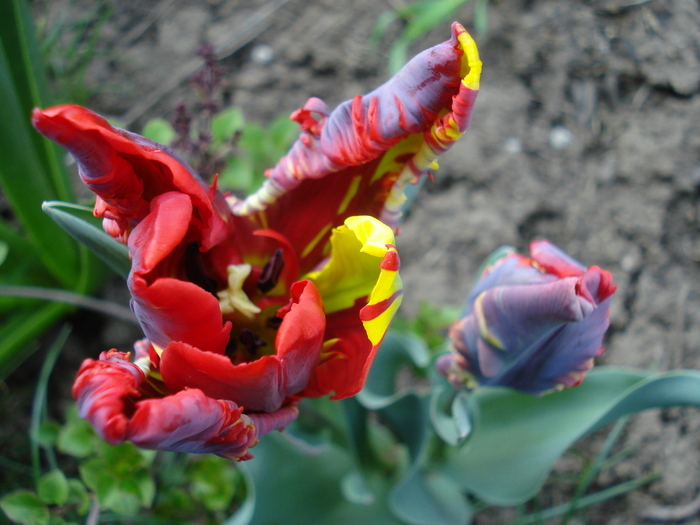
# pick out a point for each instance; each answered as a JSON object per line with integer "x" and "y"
{"x": 79, "y": 222}
{"x": 517, "y": 437}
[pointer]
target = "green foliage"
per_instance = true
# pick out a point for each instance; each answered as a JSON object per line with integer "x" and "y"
{"x": 245, "y": 149}
{"x": 420, "y": 17}
{"x": 25, "y": 507}
{"x": 68, "y": 47}
{"x": 36, "y": 252}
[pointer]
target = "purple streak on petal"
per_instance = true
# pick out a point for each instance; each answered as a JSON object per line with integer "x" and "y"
{"x": 189, "y": 421}
{"x": 278, "y": 420}
{"x": 110, "y": 395}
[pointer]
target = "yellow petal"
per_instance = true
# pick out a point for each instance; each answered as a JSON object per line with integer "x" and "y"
{"x": 363, "y": 263}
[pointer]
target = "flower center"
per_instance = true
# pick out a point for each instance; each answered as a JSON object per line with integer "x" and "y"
{"x": 233, "y": 298}
{"x": 254, "y": 313}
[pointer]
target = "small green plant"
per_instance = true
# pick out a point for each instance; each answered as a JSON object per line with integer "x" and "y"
{"x": 417, "y": 19}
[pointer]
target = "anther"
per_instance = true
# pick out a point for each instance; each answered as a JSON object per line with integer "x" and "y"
{"x": 271, "y": 272}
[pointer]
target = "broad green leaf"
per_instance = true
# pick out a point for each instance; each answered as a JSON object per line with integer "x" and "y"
{"x": 26, "y": 183}
{"x": 517, "y": 437}
{"x": 25, "y": 507}
{"x": 225, "y": 124}
{"x": 398, "y": 351}
{"x": 159, "y": 130}
{"x": 79, "y": 222}
{"x": 295, "y": 488}
{"x": 53, "y": 487}
{"x": 427, "y": 497}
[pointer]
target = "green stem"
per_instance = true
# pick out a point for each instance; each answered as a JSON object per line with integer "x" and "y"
{"x": 587, "y": 501}
{"x": 40, "y": 398}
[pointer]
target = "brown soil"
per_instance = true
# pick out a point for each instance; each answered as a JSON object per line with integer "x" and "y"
{"x": 586, "y": 132}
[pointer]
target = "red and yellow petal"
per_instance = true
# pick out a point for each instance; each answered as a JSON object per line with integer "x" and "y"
{"x": 361, "y": 290}
{"x": 358, "y": 159}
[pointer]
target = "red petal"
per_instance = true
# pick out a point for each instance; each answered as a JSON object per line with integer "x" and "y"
{"x": 345, "y": 370}
{"x": 170, "y": 309}
{"x": 263, "y": 384}
{"x": 127, "y": 171}
{"x": 109, "y": 397}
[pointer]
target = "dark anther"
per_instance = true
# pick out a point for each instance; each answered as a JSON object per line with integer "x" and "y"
{"x": 274, "y": 322}
{"x": 271, "y": 272}
{"x": 194, "y": 269}
{"x": 250, "y": 340}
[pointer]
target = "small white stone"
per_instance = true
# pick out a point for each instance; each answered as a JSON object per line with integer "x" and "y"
{"x": 262, "y": 54}
{"x": 560, "y": 138}
{"x": 513, "y": 145}
{"x": 630, "y": 262}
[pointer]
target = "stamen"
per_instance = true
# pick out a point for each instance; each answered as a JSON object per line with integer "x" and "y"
{"x": 271, "y": 272}
{"x": 234, "y": 299}
{"x": 194, "y": 269}
{"x": 274, "y": 322}
{"x": 250, "y": 340}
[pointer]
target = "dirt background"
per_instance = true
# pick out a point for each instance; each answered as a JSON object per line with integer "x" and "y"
{"x": 586, "y": 132}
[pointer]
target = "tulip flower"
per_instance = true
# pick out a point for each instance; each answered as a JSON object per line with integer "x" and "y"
{"x": 250, "y": 305}
{"x": 534, "y": 324}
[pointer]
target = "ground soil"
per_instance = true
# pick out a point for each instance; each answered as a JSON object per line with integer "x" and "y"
{"x": 586, "y": 132}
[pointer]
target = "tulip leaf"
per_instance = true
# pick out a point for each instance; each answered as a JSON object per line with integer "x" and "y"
{"x": 427, "y": 497}
{"x": 517, "y": 437}
{"x": 244, "y": 514}
{"x": 316, "y": 497}
{"x": 455, "y": 426}
{"x": 398, "y": 351}
{"x": 79, "y": 222}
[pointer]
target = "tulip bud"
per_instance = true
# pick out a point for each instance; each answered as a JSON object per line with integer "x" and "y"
{"x": 534, "y": 324}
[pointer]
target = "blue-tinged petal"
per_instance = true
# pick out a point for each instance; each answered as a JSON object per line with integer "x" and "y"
{"x": 361, "y": 156}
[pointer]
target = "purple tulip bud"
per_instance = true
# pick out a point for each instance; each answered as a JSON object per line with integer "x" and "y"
{"x": 534, "y": 324}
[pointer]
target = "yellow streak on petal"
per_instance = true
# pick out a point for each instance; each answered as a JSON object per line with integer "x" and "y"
{"x": 388, "y": 284}
{"x": 158, "y": 349}
{"x": 388, "y": 162}
{"x": 471, "y": 57}
{"x": 234, "y": 299}
{"x": 309, "y": 247}
{"x": 484, "y": 332}
{"x": 352, "y": 191}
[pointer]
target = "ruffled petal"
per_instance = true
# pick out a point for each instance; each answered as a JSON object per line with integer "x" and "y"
{"x": 358, "y": 159}
{"x": 263, "y": 384}
{"x": 127, "y": 171}
{"x": 109, "y": 397}
{"x": 167, "y": 305}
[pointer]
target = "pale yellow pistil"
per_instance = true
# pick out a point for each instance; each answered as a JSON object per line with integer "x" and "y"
{"x": 234, "y": 299}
